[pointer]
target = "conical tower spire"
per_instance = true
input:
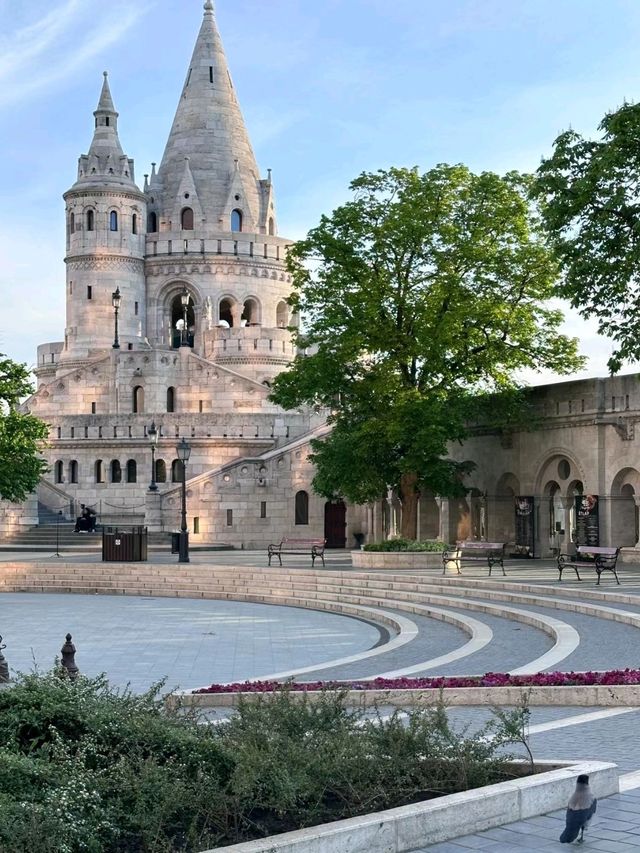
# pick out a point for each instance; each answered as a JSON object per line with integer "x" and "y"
{"x": 106, "y": 162}
{"x": 209, "y": 130}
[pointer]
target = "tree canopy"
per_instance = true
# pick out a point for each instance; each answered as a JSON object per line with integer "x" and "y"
{"x": 421, "y": 295}
{"x": 21, "y": 435}
{"x": 589, "y": 193}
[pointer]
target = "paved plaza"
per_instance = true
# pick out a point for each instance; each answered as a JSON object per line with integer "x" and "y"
{"x": 426, "y": 624}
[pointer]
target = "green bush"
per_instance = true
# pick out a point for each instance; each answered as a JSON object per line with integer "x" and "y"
{"x": 399, "y": 544}
{"x": 86, "y": 769}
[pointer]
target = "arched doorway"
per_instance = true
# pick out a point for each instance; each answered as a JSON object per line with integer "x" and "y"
{"x": 181, "y": 334}
{"x": 335, "y": 524}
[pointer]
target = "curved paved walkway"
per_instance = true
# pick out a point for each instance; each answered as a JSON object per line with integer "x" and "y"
{"x": 582, "y": 625}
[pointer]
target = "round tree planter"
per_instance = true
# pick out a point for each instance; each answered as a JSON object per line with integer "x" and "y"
{"x": 397, "y": 560}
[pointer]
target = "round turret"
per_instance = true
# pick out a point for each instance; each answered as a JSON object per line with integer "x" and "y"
{"x": 106, "y": 222}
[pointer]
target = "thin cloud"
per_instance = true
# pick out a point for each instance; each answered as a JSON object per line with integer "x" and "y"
{"x": 63, "y": 38}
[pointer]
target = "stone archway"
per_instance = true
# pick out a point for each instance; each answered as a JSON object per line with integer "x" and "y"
{"x": 503, "y": 514}
{"x": 625, "y": 508}
{"x": 182, "y": 320}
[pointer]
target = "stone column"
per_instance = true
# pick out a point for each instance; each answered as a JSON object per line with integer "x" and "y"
{"x": 636, "y": 500}
{"x": 443, "y": 522}
{"x": 153, "y": 512}
{"x": 391, "y": 531}
{"x": 564, "y": 542}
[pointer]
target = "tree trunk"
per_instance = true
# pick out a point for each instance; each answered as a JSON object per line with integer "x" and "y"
{"x": 409, "y": 495}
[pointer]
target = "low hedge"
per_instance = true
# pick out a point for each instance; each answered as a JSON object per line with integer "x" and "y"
{"x": 399, "y": 544}
{"x": 84, "y": 768}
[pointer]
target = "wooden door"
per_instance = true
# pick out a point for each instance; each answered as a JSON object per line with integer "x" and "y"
{"x": 335, "y": 524}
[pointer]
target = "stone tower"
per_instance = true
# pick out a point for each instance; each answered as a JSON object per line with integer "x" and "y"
{"x": 105, "y": 213}
{"x": 204, "y": 327}
{"x": 212, "y": 230}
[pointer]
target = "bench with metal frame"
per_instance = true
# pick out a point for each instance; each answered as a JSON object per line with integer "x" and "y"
{"x": 590, "y": 557}
{"x": 490, "y": 552}
{"x": 313, "y": 547}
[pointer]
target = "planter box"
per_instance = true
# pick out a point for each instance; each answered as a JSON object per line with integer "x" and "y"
{"x": 606, "y": 696}
{"x": 397, "y": 560}
{"x": 410, "y": 827}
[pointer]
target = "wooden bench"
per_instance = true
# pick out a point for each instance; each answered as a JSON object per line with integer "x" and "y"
{"x": 314, "y": 547}
{"x": 490, "y": 552}
{"x": 590, "y": 557}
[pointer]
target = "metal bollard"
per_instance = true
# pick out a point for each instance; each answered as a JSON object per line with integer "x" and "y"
{"x": 4, "y": 666}
{"x": 68, "y": 662}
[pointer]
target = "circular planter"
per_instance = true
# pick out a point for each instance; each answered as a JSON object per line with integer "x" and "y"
{"x": 396, "y": 560}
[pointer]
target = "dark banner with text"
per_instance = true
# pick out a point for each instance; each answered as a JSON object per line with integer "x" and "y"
{"x": 587, "y": 520}
{"x": 525, "y": 528}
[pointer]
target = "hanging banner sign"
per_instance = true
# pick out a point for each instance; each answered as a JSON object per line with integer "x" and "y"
{"x": 525, "y": 527}
{"x": 587, "y": 520}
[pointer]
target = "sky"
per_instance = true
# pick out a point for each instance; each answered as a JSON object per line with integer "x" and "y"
{"x": 328, "y": 88}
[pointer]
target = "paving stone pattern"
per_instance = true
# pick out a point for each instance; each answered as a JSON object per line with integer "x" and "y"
{"x": 614, "y": 829}
{"x": 192, "y": 643}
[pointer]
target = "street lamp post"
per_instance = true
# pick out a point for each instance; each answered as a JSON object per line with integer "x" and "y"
{"x": 184, "y": 298}
{"x": 183, "y": 450}
{"x": 152, "y": 434}
{"x": 116, "y": 299}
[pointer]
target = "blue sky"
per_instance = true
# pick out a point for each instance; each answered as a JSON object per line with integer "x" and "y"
{"x": 329, "y": 88}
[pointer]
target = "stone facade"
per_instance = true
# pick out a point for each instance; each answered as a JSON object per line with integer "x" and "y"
{"x": 203, "y": 327}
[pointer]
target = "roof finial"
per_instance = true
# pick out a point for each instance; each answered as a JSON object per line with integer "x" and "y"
{"x": 105, "y": 73}
{"x": 208, "y": 7}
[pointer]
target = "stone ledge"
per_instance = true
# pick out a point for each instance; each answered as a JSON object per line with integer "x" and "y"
{"x": 410, "y": 827}
{"x": 606, "y": 696}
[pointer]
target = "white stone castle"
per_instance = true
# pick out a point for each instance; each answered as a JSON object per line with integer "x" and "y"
{"x": 195, "y": 269}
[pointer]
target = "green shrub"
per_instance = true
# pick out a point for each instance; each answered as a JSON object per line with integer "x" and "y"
{"x": 87, "y": 769}
{"x": 399, "y": 544}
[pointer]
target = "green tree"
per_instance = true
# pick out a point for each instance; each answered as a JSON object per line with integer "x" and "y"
{"x": 421, "y": 296}
{"x": 588, "y": 191}
{"x": 21, "y": 435}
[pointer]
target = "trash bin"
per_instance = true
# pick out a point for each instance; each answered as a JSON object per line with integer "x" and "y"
{"x": 175, "y": 542}
{"x": 124, "y": 544}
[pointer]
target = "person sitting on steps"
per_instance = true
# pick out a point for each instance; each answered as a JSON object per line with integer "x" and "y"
{"x": 86, "y": 521}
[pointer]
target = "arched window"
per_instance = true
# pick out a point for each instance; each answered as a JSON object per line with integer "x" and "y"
{"x": 113, "y": 221}
{"x": 171, "y": 399}
{"x": 73, "y": 471}
{"x": 72, "y": 223}
{"x": 282, "y": 315}
{"x": 182, "y": 335}
{"x": 176, "y": 471}
{"x": 302, "y": 508}
{"x": 134, "y": 223}
{"x": 187, "y": 219}
{"x": 132, "y": 471}
{"x": 138, "y": 399}
{"x": 225, "y": 317}
{"x": 161, "y": 471}
{"x": 250, "y": 313}
{"x": 236, "y": 220}
{"x": 152, "y": 223}
{"x": 99, "y": 471}
{"x": 90, "y": 220}
{"x": 59, "y": 472}
{"x": 272, "y": 226}
{"x": 116, "y": 471}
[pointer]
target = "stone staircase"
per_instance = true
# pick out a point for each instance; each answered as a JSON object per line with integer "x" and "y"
{"x": 55, "y": 533}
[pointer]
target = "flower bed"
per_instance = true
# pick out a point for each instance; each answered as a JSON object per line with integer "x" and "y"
{"x": 490, "y": 679}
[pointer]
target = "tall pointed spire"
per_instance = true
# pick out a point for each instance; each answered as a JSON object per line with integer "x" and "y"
{"x": 106, "y": 162}
{"x": 209, "y": 129}
{"x": 105, "y": 105}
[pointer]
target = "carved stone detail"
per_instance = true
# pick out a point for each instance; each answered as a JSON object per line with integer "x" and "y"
{"x": 107, "y": 262}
